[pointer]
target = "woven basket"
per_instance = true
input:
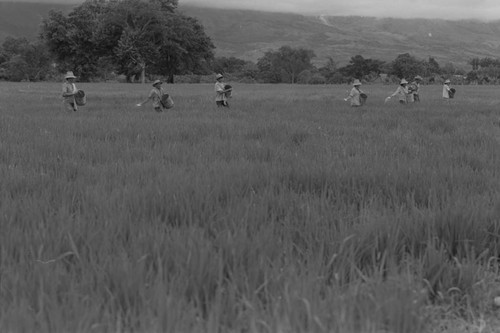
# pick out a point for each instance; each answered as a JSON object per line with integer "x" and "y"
{"x": 167, "y": 101}
{"x": 80, "y": 98}
{"x": 228, "y": 93}
{"x": 362, "y": 98}
{"x": 452, "y": 92}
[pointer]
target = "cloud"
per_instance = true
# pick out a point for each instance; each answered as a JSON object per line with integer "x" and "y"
{"x": 445, "y": 9}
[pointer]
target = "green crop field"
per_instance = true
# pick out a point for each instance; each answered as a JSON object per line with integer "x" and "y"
{"x": 288, "y": 212}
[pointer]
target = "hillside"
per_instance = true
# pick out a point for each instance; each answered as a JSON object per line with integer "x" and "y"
{"x": 248, "y": 34}
{"x": 23, "y": 19}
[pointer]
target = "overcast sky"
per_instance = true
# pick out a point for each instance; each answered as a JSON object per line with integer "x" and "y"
{"x": 446, "y": 9}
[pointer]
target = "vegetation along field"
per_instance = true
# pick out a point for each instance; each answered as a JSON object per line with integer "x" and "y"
{"x": 289, "y": 212}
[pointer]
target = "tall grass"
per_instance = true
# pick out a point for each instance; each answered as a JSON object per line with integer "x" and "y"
{"x": 288, "y": 212}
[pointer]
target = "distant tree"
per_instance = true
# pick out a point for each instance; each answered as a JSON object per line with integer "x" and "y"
{"x": 328, "y": 70}
{"x": 487, "y": 62}
{"x": 137, "y": 28}
{"x": 431, "y": 67}
{"x": 249, "y": 71}
{"x": 167, "y": 5}
{"x": 474, "y": 62}
{"x": 136, "y": 35}
{"x": 268, "y": 68}
{"x": 472, "y": 77}
{"x": 185, "y": 49}
{"x": 74, "y": 39}
{"x": 228, "y": 65}
{"x": 24, "y": 60}
{"x": 360, "y": 67}
{"x": 285, "y": 64}
{"x": 406, "y": 66}
{"x": 448, "y": 69}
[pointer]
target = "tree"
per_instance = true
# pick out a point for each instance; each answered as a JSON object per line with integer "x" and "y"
{"x": 360, "y": 67}
{"x": 474, "y": 62}
{"x": 328, "y": 70}
{"x": 431, "y": 67}
{"x": 185, "y": 49}
{"x": 138, "y": 28}
{"x": 136, "y": 35}
{"x": 24, "y": 60}
{"x": 285, "y": 64}
{"x": 406, "y": 66}
{"x": 448, "y": 69}
{"x": 228, "y": 65}
{"x": 74, "y": 40}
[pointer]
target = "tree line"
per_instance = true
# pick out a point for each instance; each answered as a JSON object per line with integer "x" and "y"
{"x": 143, "y": 39}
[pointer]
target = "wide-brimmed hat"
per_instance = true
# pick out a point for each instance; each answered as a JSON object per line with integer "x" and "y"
{"x": 447, "y": 81}
{"x": 219, "y": 76}
{"x": 418, "y": 77}
{"x": 356, "y": 83}
{"x": 157, "y": 82}
{"x": 70, "y": 75}
{"x": 403, "y": 81}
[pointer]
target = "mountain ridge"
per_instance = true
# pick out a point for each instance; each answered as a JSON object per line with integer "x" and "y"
{"x": 248, "y": 34}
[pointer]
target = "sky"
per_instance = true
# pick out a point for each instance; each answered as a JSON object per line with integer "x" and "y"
{"x": 445, "y": 9}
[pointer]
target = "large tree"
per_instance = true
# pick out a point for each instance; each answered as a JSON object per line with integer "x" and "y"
{"x": 360, "y": 67}
{"x": 75, "y": 40}
{"x": 285, "y": 64}
{"x": 137, "y": 36}
{"x": 407, "y": 66}
{"x": 21, "y": 59}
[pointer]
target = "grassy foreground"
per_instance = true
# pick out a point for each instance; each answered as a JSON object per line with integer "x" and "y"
{"x": 289, "y": 212}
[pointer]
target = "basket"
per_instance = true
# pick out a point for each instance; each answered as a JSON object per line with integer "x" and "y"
{"x": 80, "y": 98}
{"x": 362, "y": 98}
{"x": 167, "y": 101}
{"x": 452, "y": 92}
{"x": 228, "y": 93}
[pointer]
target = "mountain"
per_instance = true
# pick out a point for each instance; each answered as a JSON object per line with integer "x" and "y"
{"x": 249, "y": 34}
{"x": 23, "y": 19}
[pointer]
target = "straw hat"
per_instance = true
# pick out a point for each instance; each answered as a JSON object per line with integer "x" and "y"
{"x": 418, "y": 77}
{"x": 447, "y": 81}
{"x": 157, "y": 82}
{"x": 403, "y": 81}
{"x": 356, "y": 83}
{"x": 219, "y": 76}
{"x": 69, "y": 75}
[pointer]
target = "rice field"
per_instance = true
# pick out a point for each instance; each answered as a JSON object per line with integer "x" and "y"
{"x": 288, "y": 212}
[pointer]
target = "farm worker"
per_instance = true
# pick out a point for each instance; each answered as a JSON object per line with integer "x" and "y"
{"x": 155, "y": 95}
{"x": 448, "y": 92}
{"x": 68, "y": 92}
{"x": 401, "y": 92}
{"x": 357, "y": 96}
{"x": 414, "y": 90}
{"x": 222, "y": 91}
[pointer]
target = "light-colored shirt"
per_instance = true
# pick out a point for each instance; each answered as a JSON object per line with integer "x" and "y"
{"x": 69, "y": 88}
{"x": 354, "y": 96}
{"x": 413, "y": 89}
{"x": 155, "y": 96}
{"x": 402, "y": 93}
{"x": 446, "y": 91}
{"x": 219, "y": 91}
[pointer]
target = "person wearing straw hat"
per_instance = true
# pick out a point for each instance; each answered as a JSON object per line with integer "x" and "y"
{"x": 69, "y": 91}
{"x": 357, "y": 96}
{"x": 414, "y": 90}
{"x": 155, "y": 95}
{"x": 221, "y": 92}
{"x": 448, "y": 92}
{"x": 401, "y": 92}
